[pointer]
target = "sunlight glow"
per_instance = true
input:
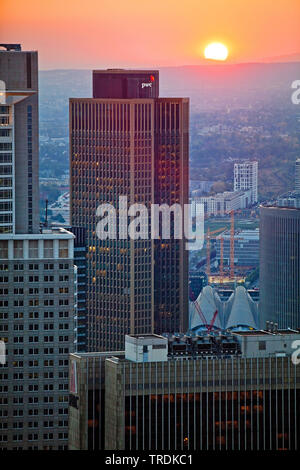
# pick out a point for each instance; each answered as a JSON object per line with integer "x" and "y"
{"x": 216, "y": 51}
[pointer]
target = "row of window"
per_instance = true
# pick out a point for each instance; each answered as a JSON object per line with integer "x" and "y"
{"x": 20, "y": 315}
{"x": 35, "y": 290}
{"x": 32, "y": 267}
{"x": 34, "y": 437}
{"x": 34, "y": 302}
{"x": 35, "y": 339}
{"x": 33, "y": 247}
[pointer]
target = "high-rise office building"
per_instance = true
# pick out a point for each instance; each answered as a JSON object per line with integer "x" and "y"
{"x": 297, "y": 175}
{"x": 280, "y": 266}
{"x": 235, "y": 391}
{"x": 19, "y": 160}
{"x": 36, "y": 276}
{"x": 246, "y": 177}
{"x": 126, "y": 141}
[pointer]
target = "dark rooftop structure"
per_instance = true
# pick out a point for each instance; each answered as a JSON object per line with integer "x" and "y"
{"x": 125, "y": 84}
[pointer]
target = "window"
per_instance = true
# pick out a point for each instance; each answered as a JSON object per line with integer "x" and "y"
{"x": 48, "y": 248}
{"x": 33, "y": 249}
{"x": 63, "y": 248}
{"x": 64, "y": 266}
{"x": 262, "y": 345}
{"x": 33, "y": 315}
{"x": 48, "y": 266}
{"x": 18, "y": 267}
{"x": 33, "y": 267}
{"x": 18, "y": 249}
{"x": 3, "y": 249}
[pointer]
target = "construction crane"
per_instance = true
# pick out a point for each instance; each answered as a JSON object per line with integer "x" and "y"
{"x": 201, "y": 314}
{"x": 221, "y": 259}
{"x": 208, "y": 237}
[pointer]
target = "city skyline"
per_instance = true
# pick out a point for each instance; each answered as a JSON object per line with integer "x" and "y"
{"x": 150, "y": 227}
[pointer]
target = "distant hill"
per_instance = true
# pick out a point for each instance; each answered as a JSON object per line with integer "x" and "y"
{"x": 208, "y": 86}
{"x": 284, "y": 58}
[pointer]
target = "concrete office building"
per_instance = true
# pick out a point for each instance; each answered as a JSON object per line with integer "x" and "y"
{"x": 246, "y": 177}
{"x": 226, "y": 392}
{"x": 37, "y": 326}
{"x": 280, "y": 266}
{"x": 126, "y": 141}
{"x": 19, "y": 160}
{"x": 37, "y": 276}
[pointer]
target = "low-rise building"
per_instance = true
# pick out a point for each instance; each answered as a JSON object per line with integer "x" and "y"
{"x": 222, "y": 203}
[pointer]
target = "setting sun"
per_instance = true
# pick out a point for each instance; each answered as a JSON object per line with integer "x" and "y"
{"x": 216, "y": 51}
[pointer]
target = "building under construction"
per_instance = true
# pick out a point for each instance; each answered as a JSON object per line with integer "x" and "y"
{"x": 237, "y": 252}
{"x": 246, "y": 249}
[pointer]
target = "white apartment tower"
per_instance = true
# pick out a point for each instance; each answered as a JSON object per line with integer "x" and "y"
{"x": 246, "y": 177}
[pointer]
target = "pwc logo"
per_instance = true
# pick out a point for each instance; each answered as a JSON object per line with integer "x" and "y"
{"x": 148, "y": 84}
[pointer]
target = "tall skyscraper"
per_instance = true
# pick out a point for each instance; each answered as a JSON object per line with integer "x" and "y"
{"x": 297, "y": 175}
{"x": 246, "y": 177}
{"x": 280, "y": 266}
{"x": 36, "y": 276}
{"x": 126, "y": 141}
{"x": 19, "y": 147}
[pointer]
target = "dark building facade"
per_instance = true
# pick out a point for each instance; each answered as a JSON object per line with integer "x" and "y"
{"x": 80, "y": 251}
{"x": 196, "y": 394}
{"x": 280, "y": 266}
{"x": 125, "y": 84}
{"x": 132, "y": 145}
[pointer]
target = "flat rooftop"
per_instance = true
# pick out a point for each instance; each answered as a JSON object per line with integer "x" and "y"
{"x": 264, "y": 332}
{"x": 105, "y": 71}
{"x": 146, "y": 336}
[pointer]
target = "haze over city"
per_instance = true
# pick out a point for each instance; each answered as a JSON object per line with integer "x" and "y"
{"x": 139, "y": 33}
{"x": 124, "y": 125}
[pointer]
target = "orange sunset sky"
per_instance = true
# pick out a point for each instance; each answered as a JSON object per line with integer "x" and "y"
{"x": 110, "y": 33}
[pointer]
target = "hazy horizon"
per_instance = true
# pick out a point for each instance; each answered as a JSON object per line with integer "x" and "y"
{"x": 72, "y": 33}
